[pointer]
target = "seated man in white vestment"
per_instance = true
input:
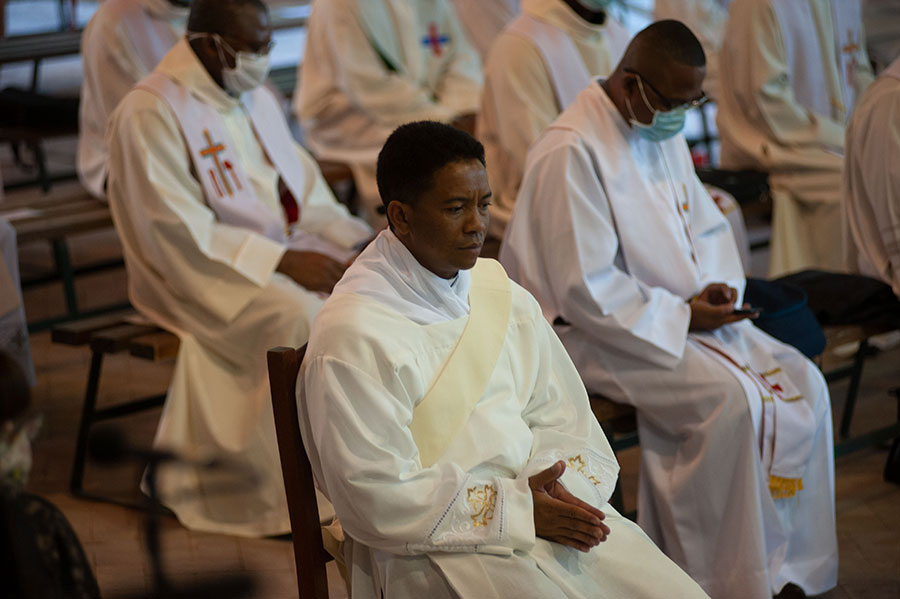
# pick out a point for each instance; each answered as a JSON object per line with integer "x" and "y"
{"x": 122, "y": 43}
{"x": 372, "y": 65}
{"x": 231, "y": 240}
{"x": 483, "y": 20}
{"x": 631, "y": 260}
{"x": 790, "y": 76}
{"x": 536, "y": 68}
{"x": 445, "y": 421}
{"x": 872, "y": 182}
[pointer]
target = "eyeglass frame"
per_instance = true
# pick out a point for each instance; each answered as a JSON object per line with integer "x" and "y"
{"x": 263, "y": 50}
{"x": 670, "y": 104}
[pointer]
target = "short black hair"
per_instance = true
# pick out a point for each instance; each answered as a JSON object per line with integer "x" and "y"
{"x": 217, "y": 16}
{"x": 414, "y": 152}
{"x": 674, "y": 40}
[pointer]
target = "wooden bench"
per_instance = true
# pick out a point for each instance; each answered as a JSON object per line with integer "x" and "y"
{"x": 110, "y": 334}
{"x": 836, "y": 336}
{"x": 54, "y": 218}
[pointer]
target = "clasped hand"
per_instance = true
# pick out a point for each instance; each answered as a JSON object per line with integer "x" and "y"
{"x": 714, "y": 307}
{"x": 561, "y": 517}
{"x": 312, "y": 270}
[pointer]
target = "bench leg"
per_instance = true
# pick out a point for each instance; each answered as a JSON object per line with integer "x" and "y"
{"x": 853, "y": 389}
{"x": 64, "y": 269}
{"x": 87, "y": 419}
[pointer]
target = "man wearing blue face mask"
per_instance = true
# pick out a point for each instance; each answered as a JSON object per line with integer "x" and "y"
{"x": 231, "y": 240}
{"x": 638, "y": 270}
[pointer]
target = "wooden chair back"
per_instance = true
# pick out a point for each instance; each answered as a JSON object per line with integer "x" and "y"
{"x": 309, "y": 554}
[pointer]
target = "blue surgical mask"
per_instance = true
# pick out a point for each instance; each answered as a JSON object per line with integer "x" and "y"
{"x": 664, "y": 125}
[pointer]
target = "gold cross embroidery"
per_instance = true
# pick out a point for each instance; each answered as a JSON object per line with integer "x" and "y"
{"x": 482, "y": 501}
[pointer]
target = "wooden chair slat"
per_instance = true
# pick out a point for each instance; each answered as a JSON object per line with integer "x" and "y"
{"x": 309, "y": 553}
{"x": 117, "y": 338}
{"x": 155, "y": 346}
{"x": 79, "y": 332}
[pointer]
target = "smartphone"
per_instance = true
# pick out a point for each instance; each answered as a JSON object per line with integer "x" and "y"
{"x": 747, "y": 311}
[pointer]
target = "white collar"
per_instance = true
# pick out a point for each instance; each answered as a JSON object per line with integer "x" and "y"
{"x": 387, "y": 272}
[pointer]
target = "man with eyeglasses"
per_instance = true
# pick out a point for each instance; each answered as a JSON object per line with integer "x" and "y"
{"x": 638, "y": 270}
{"x": 122, "y": 43}
{"x": 791, "y": 74}
{"x": 231, "y": 240}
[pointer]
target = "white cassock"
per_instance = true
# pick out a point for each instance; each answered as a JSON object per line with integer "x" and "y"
{"x": 483, "y": 20}
{"x": 461, "y": 524}
{"x": 613, "y": 234}
{"x": 872, "y": 182}
{"x": 535, "y": 69}
{"x": 13, "y": 326}
{"x": 882, "y": 22}
{"x": 120, "y": 45}
{"x": 706, "y": 19}
{"x": 214, "y": 284}
{"x": 790, "y": 74}
{"x": 373, "y": 65}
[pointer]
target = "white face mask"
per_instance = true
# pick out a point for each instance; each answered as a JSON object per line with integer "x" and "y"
{"x": 249, "y": 71}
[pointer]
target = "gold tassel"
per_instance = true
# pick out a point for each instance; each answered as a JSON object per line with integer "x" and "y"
{"x": 784, "y": 488}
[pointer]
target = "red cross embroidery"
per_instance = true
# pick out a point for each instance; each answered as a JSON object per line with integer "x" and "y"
{"x": 434, "y": 39}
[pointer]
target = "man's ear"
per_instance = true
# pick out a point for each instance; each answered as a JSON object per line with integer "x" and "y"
{"x": 398, "y": 215}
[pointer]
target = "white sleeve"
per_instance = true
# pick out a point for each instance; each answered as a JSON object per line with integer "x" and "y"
{"x": 357, "y": 435}
{"x": 159, "y": 210}
{"x": 579, "y": 266}
{"x": 564, "y": 428}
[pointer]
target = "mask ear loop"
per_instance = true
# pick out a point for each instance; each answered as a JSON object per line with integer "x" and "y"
{"x": 219, "y": 43}
{"x": 644, "y": 96}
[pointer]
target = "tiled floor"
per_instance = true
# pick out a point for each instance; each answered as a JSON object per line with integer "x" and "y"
{"x": 868, "y": 509}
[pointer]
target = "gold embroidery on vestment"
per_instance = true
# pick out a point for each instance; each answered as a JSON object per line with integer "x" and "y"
{"x": 578, "y": 464}
{"x": 482, "y": 501}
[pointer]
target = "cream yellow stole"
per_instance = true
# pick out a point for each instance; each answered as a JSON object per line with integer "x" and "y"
{"x": 462, "y": 380}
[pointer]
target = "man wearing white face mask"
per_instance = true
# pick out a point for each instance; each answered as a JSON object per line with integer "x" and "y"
{"x": 535, "y": 69}
{"x": 231, "y": 240}
{"x": 638, "y": 270}
{"x": 122, "y": 43}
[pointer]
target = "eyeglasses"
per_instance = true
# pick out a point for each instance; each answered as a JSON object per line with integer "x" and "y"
{"x": 668, "y": 103}
{"x": 263, "y": 49}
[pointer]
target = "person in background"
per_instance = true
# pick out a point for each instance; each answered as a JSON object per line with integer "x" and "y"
{"x": 121, "y": 44}
{"x": 791, "y": 73}
{"x": 372, "y": 65}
